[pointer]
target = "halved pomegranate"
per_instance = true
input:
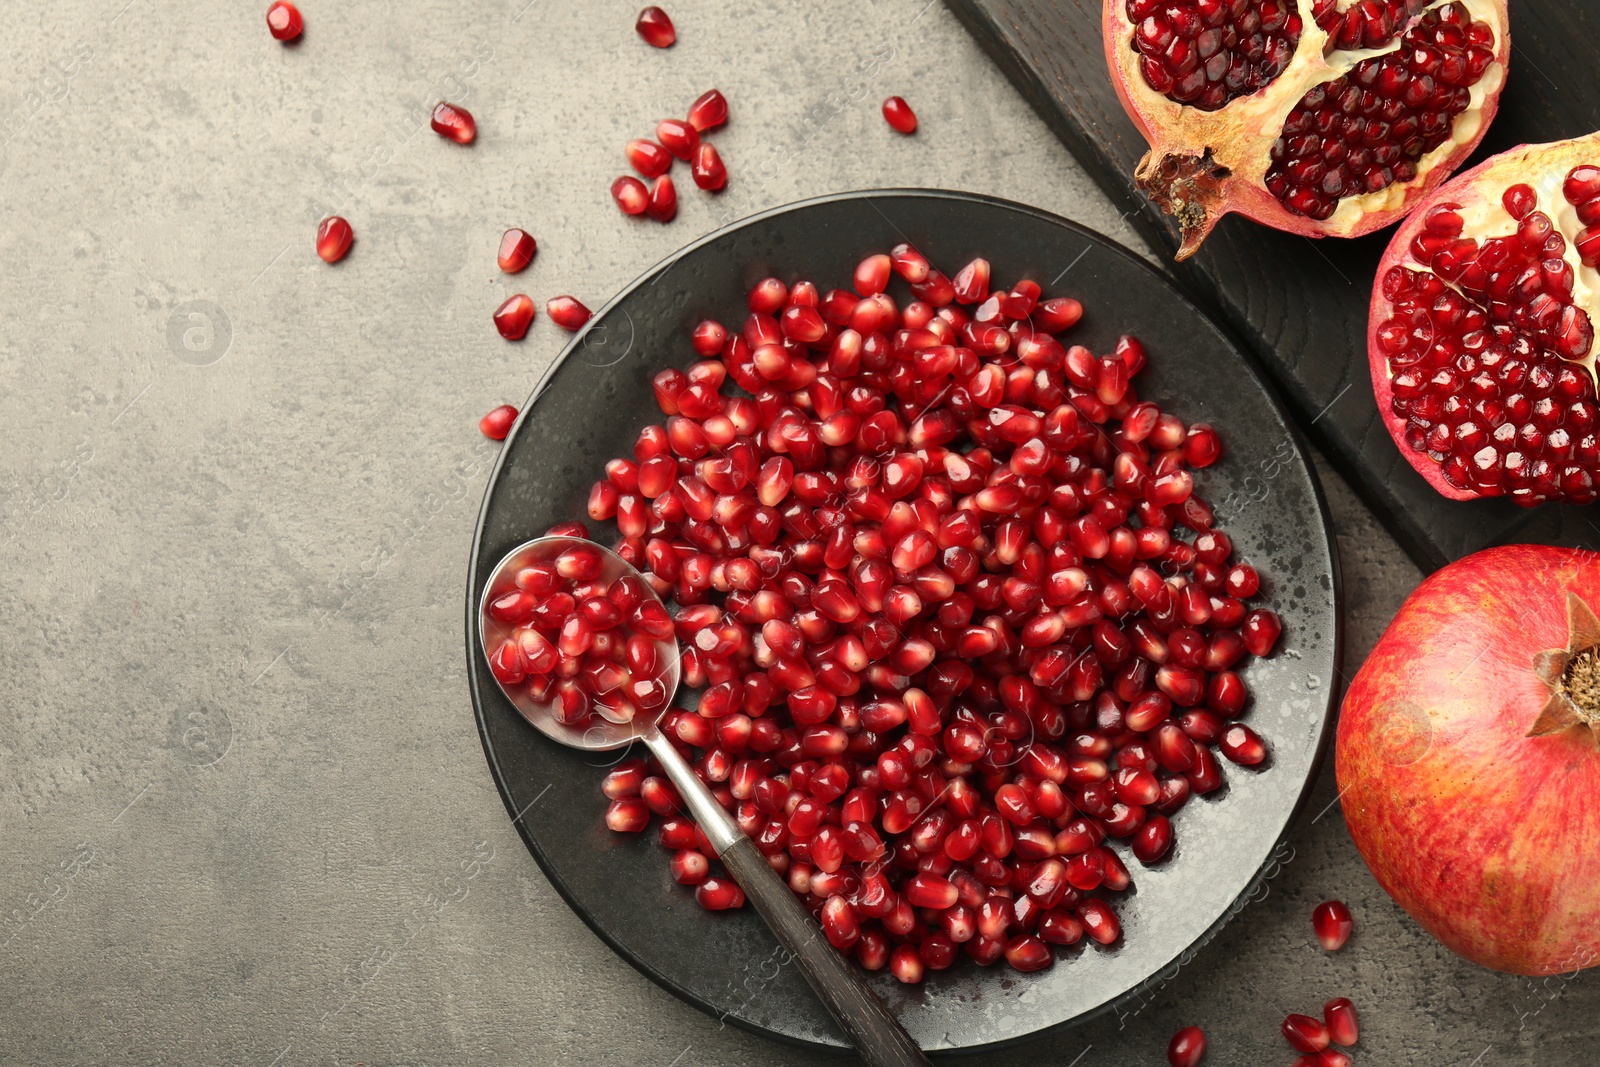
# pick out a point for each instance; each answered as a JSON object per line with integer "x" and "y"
{"x": 1319, "y": 117}
{"x": 1481, "y": 333}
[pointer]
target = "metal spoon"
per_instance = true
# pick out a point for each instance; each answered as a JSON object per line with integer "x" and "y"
{"x": 875, "y": 1032}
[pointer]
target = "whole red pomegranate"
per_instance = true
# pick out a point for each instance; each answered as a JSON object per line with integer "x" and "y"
{"x": 1481, "y": 335}
{"x": 1323, "y": 118}
{"x": 1468, "y": 764}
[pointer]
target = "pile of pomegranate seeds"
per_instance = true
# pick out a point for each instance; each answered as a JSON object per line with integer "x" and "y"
{"x": 333, "y": 238}
{"x": 1483, "y": 344}
{"x": 586, "y": 646}
{"x": 1333, "y": 923}
{"x": 514, "y": 317}
{"x": 284, "y": 22}
{"x": 678, "y": 138}
{"x": 955, "y": 612}
{"x": 898, "y": 114}
{"x": 1186, "y": 1047}
{"x": 517, "y": 248}
{"x": 655, "y": 26}
{"x": 497, "y": 423}
{"x": 1366, "y": 130}
{"x": 1314, "y": 1037}
{"x": 454, "y": 123}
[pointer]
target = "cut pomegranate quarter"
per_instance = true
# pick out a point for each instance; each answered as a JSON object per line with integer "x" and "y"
{"x": 592, "y": 596}
{"x": 1481, "y": 332}
{"x": 1332, "y": 127}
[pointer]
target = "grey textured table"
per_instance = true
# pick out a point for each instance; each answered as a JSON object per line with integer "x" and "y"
{"x": 245, "y": 817}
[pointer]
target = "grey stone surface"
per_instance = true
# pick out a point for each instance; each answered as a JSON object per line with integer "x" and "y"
{"x": 244, "y": 815}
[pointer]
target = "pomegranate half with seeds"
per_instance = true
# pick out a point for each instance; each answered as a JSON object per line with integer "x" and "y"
{"x": 1481, "y": 334}
{"x": 1467, "y": 758}
{"x": 1325, "y": 118}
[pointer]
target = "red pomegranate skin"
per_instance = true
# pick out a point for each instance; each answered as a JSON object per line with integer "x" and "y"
{"x": 1488, "y": 837}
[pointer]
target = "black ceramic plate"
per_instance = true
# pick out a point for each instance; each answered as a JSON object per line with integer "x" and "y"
{"x": 591, "y": 404}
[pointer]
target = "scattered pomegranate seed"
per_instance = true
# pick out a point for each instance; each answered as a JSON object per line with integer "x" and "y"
{"x": 1331, "y": 1057}
{"x": 718, "y": 894}
{"x": 567, "y": 312}
{"x": 690, "y": 867}
{"x": 454, "y": 123}
{"x": 1333, "y": 924}
{"x": 655, "y": 26}
{"x": 514, "y": 317}
{"x": 627, "y": 816}
{"x": 1186, "y": 1047}
{"x": 333, "y": 239}
{"x": 497, "y": 423}
{"x": 284, "y": 22}
{"x": 709, "y": 111}
{"x": 708, "y": 170}
{"x": 1305, "y": 1033}
{"x": 899, "y": 115}
{"x": 905, "y": 963}
{"x": 516, "y": 251}
{"x": 678, "y": 137}
{"x": 663, "y": 199}
{"x": 1340, "y": 1016}
{"x": 631, "y": 195}
{"x": 648, "y": 158}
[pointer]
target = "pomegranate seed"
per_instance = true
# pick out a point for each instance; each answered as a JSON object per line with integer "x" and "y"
{"x": 648, "y": 158}
{"x": 718, "y": 894}
{"x": 284, "y": 22}
{"x": 1326, "y": 1058}
{"x": 1340, "y": 1016}
{"x": 517, "y": 248}
{"x": 567, "y": 313}
{"x": 905, "y": 963}
{"x": 497, "y": 423}
{"x": 709, "y": 111}
{"x": 514, "y": 317}
{"x": 627, "y": 815}
{"x": 1186, "y": 1047}
{"x": 1305, "y": 1033}
{"x": 898, "y": 114}
{"x": 708, "y": 170}
{"x": 631, "y": 195}
{"x": 454, "y": 123}
{"x": 656, "y": 28}
{"x": 1333, "y": 923}
{"x": 1027, "y": 953}
{"x": 1241, "y": 745}
{"x": 678, "y": 137}
{"x": 333, "y": 239}
{"x": 1099, "y": 921}
{"x": 663, "y": 199}
{"x": 690, "y": 867}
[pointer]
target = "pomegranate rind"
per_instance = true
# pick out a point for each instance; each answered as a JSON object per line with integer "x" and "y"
{"x": 1203, "y": 165}
{"x": 1488, "y": 838}
{"x": 1478, "y": 191}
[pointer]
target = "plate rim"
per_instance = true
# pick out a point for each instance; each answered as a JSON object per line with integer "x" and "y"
{"x": 1303, "y": 453}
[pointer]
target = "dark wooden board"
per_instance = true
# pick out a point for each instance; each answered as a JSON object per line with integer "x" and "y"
{"x": 1301, "y": 305}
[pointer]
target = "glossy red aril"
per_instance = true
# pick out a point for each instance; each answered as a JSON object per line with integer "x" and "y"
{"x": 1481, "y": 332}
{"x": 648, "y": 158}
{"x": 678, "y": 137}
{"x": 333, "y": 239}
{"x": 454, "y": 123}
{"x": 708, "y": 170}
{"x": 898, "y": 114}
{"x": 284, "y": 21}
{"x": 517, "y": 248}
{"x": 497, "y": 423}
{"x": 567, "y": 312}
{"x": 1340, "y": 1016}
{"x": 1187, "y": 1047}
{"x": 1332, "y": 128}
{"x": 1330, "y": 1057}
{"x": 1306, "y": 1033}
{"x": 663, "y": 204}
{"x": 655, "y": 26}
{"x": 514, "y": 317}
{"x": 709, "y": 110}
{"x": 631, "y": 195}
{"x": 1333, "y": 923}
{"x": 718, "y": 894}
